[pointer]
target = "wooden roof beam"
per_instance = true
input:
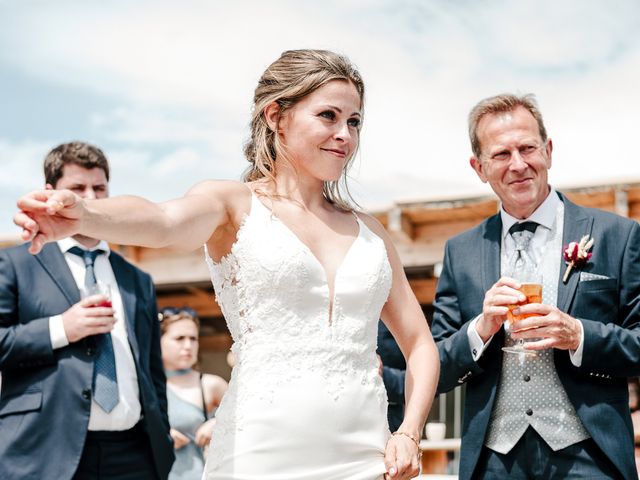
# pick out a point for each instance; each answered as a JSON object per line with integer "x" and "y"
{"x": 399, "y": 226}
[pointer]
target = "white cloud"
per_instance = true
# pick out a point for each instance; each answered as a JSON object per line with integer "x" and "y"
{"x": 21, "y": 164}
{"x": 199, "y": 54}
{"x": 179, "y": 78}
{"x": 142, "y": 125}
{"x": 177, "y": 162}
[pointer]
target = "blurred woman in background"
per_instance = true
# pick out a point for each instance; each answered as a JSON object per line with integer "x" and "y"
{"x": 192, "y": 396}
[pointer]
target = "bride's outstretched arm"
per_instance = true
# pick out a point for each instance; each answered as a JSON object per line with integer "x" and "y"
{"x": 404, "y": 318}
{"x": 184, "y": 223}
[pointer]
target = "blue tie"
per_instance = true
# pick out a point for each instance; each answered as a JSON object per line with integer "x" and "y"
{"x": 105, "y": 381}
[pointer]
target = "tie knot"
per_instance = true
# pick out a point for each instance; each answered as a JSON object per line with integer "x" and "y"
{"x": 523, "y": 226}
{"x": 89, "y": 256}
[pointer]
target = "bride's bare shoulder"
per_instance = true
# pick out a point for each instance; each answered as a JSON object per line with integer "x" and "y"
{"x": 228, "y": 196}
{"x": 372, "y": 223}
{"x": 220, "y": 188}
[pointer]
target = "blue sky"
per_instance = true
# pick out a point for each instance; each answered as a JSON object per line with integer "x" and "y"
{"x": 165, "y": 87}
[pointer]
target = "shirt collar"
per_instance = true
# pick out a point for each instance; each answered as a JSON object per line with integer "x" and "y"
{"x": 544, "y": 215}
{"x": 66, "y": 243}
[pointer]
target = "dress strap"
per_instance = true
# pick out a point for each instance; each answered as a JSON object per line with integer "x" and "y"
{"x": 204, "y": 403}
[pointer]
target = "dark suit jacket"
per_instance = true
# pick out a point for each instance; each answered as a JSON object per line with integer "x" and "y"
{"x": 46, "y": 394}
{"x": 394, "y": 369}
{"x": 609, "y": 309}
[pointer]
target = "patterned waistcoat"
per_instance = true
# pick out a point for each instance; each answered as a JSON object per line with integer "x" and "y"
{"x": 530, "y": 392}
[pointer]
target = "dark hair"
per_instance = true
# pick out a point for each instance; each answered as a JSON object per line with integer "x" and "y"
{"x": 170, "y": 315}
{"x": 77, "y": 153}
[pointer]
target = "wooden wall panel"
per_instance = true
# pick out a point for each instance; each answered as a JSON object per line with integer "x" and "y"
{"x": 605, "y": 200}
{"x": 424, "y": 289}
{"x": 204, "y": 304}
{"x": 474, "y": 211}
{"x": 216, "y": 343}
{"x": 439, "y": 233}
{"x": 633, "y": 197}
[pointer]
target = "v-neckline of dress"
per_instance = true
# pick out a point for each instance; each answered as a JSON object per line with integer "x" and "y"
{"x": 331, "y": 287}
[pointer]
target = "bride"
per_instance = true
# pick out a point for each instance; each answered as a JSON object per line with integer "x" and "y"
{"x": 302, "y": 279}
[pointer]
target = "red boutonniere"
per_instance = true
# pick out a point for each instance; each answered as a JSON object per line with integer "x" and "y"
{"x": 576, "y": 255}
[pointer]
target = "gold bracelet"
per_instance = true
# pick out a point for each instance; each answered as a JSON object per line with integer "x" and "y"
{"x": 408, "y": 435}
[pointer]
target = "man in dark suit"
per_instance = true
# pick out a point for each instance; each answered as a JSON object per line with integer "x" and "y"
{"x": 393, "y": 370}
{"x": 561, "y": 413}
{"x": 57, "y": 418}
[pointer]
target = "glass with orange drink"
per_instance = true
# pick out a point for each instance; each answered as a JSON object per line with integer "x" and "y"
{"x": 531, "y": 287}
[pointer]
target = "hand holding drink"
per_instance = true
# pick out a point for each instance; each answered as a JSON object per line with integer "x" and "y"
{"x": 533, "y": 292}
{"x": 98, "y": 289}
{"x": 531, "y": 287}
{"x": 92, "y": 315}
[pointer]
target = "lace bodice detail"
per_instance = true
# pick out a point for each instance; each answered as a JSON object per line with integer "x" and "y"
{"x": 274, "y": 295}
{"x": 300, "y": 355}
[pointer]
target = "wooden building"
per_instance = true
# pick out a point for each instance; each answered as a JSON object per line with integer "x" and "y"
{"x": 419, "y": 230}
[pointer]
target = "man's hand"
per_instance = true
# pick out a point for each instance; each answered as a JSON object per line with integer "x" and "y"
{"x": 85, "y": 319}
{"x": 556, "y": 328}
{"x": 494, "y": 308}
{"x": 48, "y": 215}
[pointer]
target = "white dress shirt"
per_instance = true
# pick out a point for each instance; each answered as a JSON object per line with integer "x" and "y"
{"x": 544, "y": 215}
{"x": 128, "y": 410}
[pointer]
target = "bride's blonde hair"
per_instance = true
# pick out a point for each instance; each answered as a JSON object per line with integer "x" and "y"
{"x": 296, "y": 74}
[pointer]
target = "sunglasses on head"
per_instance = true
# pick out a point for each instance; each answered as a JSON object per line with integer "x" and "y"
{"x": 171, "y": 311}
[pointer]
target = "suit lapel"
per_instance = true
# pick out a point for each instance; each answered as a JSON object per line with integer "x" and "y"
{"x": 491, "y": 244}
{"x": 577, "y": 223}
{"x": 127, "y": 287}
{"x": 491, "y": 251}
{"x": 52, "y": 260}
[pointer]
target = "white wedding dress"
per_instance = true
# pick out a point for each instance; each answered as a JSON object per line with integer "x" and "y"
{"x": 305, "y": 400}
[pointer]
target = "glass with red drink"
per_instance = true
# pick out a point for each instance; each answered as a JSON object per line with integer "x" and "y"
{"x": 103, "y": 289}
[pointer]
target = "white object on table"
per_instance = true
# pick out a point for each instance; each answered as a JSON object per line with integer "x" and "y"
{"x": 435, "y": 430}
{"x": 449, "y": 444}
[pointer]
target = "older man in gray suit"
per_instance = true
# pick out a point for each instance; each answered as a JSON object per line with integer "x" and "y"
{"x": 561, "y": 409}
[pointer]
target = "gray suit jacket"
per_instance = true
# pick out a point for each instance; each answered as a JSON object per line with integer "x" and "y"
{"x": 608, "y": 306}
{"x": 46, "y": 394}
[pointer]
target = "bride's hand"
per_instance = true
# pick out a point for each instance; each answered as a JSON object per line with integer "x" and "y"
{"x": 402, "y": 458}
{"x": 179, "y": 438}
{"x": 48, "y": 215}
{"x": 203, "y": 434}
